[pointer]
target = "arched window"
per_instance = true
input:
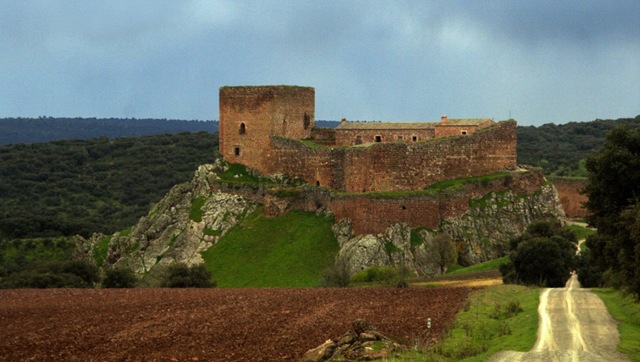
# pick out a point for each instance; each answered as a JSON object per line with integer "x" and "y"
{"x": 243, "y": 128}
{"x": 318, "y": 183}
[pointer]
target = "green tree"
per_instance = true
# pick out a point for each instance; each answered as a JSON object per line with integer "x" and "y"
{"x": 179, "y": 275}
{"x": 614, "y": 205}
{"x": 119, "y": 277}
{"x": 545, "y": 255}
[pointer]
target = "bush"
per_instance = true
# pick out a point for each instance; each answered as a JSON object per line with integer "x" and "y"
{"x": 386, "y": 275}
{"x": 119, "y": 277}
{"x": 544, "y": 256}
{"x": 54, "y": 274}
{"x": 338, "y": 274}
{"x": 88, "y": 272}
{"x": 179, "y": 275}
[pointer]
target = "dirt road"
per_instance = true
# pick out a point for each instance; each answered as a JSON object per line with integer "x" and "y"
{"x": 574, "y": 326}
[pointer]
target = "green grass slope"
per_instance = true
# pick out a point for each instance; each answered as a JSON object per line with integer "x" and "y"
{"x": 290, "y": 250}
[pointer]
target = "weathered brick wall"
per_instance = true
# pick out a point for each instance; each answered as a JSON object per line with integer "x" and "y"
{"x": 373, "y": 215}
{"x": 324, "y": 136}
{"x": 292, "y": 157}
{"x": 249, "y": 116}
{"x": 397, "y": 166}
{"x": 447, "y": 130}
{"x": 347, "y": 137}
{"x": 570, "y": 197}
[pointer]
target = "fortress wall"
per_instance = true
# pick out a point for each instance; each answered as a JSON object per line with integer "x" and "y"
{"x": 347, "y": 137}
{"x": 570, "y": 197}
{"x": 398, "y": 166}
{"x": 324, "y": 136}
{"x": 294, "y": 158}
{"x": 373, "y": 214}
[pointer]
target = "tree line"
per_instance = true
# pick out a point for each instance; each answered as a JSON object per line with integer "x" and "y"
{"x": 45, "y": 129}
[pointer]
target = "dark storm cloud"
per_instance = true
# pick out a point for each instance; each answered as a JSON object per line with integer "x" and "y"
{"x": 542, "y": 61}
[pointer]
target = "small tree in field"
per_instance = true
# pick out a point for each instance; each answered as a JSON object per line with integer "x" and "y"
{"x": 119, "y": 277}
{"x": 179, "y": 275}
{"x": 439, "y": 252}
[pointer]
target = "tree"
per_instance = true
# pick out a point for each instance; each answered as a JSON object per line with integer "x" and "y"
{"x": 614, "y": 205}
{"x": 545, "y": 255}
{"x": 439, "y": 253}
{"x": 179, "y": 275}
{"x": 119, "y": 277}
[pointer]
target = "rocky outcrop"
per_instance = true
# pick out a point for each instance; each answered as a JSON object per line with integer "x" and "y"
{"x": 392, "y": 248}
{"x": 480, "y": 234}
{"x": 364, "y": 343}
{"x": 188, "y": 220}
{"x": 483, "y": 232}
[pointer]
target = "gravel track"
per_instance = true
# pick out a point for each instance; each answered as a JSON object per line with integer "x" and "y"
{"x": 574, "y": 326}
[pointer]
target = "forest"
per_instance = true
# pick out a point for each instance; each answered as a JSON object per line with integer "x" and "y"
{"x": 44, "y": 129}
{"x": 63, "y": 188}
{"x": 561, "y": 149}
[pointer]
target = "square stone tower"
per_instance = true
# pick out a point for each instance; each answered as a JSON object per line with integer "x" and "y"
{"x": 251, "y": 115}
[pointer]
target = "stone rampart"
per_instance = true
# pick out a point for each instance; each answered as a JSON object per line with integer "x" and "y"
{"x": 396, "y": 166}
{"x": 372, "y": 213}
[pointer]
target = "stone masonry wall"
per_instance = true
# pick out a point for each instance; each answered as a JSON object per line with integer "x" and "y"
{"x": 570, "y": 197}
{"x": 347, "y": 137}
{"x": 371, "y": 214}
{"x": 397, "y": 166}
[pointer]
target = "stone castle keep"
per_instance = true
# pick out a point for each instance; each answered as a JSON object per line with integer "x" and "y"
{"x": 272, "y": 129}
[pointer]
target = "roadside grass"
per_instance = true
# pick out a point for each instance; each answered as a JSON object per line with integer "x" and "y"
{"x": 487, "y": 324}
{"x": 581, "y": 231}
{"x": 290, "y": 250}
{"x": 481, "y": 267}
{"x": 626, "y": 311}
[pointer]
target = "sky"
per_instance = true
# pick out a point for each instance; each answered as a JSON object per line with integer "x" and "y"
{"x": 535, "y": 61}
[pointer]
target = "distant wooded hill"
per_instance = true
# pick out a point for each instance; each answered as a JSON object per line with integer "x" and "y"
{"x": 44, "y": 129}
{"x": 560, "y": 149}
{"x": 99, "y": 185}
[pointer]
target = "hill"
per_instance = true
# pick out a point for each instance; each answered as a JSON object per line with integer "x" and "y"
{"x": 560, "y": 149}
{"x": 85, "y": 186}
{"x": 45, "y": 129}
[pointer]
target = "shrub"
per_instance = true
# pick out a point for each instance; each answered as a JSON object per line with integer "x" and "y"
{"x": 88, "y": 272}
{"x": 386, "y": 275}
{"x": 338, "y": 274}
{"x": 119, "y": 277}
{"x": 179, "y": 275}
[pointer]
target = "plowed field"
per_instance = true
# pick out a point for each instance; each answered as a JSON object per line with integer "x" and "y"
{"x": 207, "y": 324}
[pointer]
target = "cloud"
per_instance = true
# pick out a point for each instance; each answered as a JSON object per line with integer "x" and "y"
{"x": 541, "y": 62}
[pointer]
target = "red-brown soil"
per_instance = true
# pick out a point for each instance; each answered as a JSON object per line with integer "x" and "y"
{"x": 207, "y": 324}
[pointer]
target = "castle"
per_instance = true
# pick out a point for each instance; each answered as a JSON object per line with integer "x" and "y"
{"x": 272, "y": 129}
